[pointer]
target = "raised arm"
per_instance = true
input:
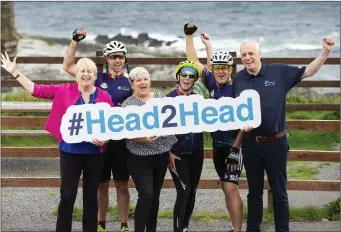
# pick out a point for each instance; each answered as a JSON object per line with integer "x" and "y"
{"x": 69, "y": 62}
{"x": 208, "y": 44}
{"x": 316, "y": 64}
{"x": 191, "y": 53}
{"x": 11, "y": 67}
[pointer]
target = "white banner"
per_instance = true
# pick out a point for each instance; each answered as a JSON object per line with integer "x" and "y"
{"x": 160, "y": 117}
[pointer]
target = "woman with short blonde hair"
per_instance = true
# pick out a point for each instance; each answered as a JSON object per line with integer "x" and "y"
{"x": 148, "y": 158}
{"x": 75, "y": 158}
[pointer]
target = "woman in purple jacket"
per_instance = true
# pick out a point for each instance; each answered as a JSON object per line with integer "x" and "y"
{"x": 75, "y": 158}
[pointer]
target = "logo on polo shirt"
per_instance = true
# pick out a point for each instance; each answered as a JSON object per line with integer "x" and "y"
{"x": 123, "y": 88}
{"x": 104, "y": 85}
{"x": 212, "y": 93}
{"x": 269, "y": 83}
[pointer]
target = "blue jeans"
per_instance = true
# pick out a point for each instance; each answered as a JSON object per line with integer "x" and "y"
{"x": 271, "y": 157}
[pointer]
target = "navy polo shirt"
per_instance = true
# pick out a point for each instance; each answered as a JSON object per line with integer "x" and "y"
{"x": 272, "y": 83}
{"x": 82, "y": 147}
{"x": 186, "y": 142}
{"x": 118, "y": 87}
{"x": 220, "y": 138}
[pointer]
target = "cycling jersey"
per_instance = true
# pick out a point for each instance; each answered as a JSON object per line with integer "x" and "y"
{"x": 216, "y": 91}
{"x": 118, "y": 87}
{"x": 187, "y": 143}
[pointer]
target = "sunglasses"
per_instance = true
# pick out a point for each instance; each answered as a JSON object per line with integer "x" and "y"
{"x": 222, "y": 68}
{"x": 114, "y": 57}
{"x": 188, "y": 75}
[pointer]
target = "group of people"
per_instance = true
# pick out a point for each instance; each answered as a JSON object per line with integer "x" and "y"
{"x": 147, "y": 159}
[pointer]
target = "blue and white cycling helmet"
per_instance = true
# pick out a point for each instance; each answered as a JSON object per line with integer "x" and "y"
{"x": 114, "y": 46}
{"x": 221, "y": 58}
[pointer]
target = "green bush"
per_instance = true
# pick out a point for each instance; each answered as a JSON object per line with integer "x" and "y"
{"x": 332, "y": 210}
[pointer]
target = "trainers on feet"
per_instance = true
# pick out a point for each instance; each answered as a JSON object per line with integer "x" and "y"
{"x": 185, "y": 230}
{"x": 101, "y": 229}
{"x": 124, "y": 229}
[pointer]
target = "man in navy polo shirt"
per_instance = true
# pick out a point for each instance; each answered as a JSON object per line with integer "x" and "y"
{"x": 266, "y": 147}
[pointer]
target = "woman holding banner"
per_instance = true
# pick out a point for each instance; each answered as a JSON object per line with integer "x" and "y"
{"x": 148, "y": 158}
{"x": 75, "y": 158}
{"x": 187, "y": 155}
{"x": 116, "y": 82}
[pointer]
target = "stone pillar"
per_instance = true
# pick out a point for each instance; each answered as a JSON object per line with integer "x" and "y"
{"x": 9, "y": 35}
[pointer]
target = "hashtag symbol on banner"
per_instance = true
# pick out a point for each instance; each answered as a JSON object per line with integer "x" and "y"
{"x": 76, "y": 123}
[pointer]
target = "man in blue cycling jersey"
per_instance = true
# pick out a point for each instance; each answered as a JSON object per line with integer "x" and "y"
{"x": 227, "y": 158}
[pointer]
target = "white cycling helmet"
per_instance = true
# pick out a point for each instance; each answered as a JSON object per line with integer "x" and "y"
{"x": 114, "y": 46}
{"x": 221, "y": 58}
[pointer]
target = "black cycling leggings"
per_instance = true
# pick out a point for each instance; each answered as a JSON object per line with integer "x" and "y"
{"x": 186, "y": 178}
{"x": 148, "y": 174}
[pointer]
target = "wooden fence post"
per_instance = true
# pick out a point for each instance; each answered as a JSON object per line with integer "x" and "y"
{"x": 99, "y": 66}
{"x": 234, "y": 55}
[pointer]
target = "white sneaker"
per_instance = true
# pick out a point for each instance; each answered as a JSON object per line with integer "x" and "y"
{"x": 185, "y": 230}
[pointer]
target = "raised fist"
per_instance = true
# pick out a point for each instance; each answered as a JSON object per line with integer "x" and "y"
{"x": 328, "y": 44}
{"x": 79, "y": 34}
{"x": 190, "y": 28}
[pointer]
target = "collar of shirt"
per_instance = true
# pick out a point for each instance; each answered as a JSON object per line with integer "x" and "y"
{"x": 180, "y": 93}
{"x": 262, "y": 72}
{"x": 116, "y": 76}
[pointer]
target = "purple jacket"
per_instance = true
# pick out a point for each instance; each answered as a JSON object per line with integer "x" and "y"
{"x": 63, "y": 96}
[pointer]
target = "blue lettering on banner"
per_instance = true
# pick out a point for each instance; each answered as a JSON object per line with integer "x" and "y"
{"x": 249, "y": 109}
{"x": 194, "y": 113}
{"x": 115, "y": 120}
{"x": 160, "y": 117}
{"x": 229, "y": 114}
{"x": 91, "y": 121}
{"x": 167, "y": 123}
{"x": 155, "y": 117}
{"x": 133, "y": 124}
{"x": 205, "y": 114}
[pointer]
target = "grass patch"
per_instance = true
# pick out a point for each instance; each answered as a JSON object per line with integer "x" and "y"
{"x": 77, "y": 214}
{"x": 317, "y": 99}
{"x": 330, "y": 211}
{"x": 322, "y": 165}
{"x": 294, "y": 162}
{"x": 313, "y": 115}
{"x": 28, "y": 141}
{"x": 22, "y": 96}
{"x": 45, "y": 114}
{"x": 113, "y": 211}
{"x": 303, "y": 172}
{"x": 51, "y": 194}
{"x": 313, "y": 140}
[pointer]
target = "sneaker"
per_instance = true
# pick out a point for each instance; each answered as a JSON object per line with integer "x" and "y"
{"x": 185, "y": 230}
{"x": 101, "y": 229}
{"x": 124, "y": 229}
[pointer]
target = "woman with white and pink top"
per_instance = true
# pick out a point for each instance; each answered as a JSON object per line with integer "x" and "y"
{"x": 86, "y": 157}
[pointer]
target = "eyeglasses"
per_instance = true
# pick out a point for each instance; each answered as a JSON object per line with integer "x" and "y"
{"x": 114, "y": 57}
{"x": 223, "y": 68}
{"x": 188, "y": 75}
